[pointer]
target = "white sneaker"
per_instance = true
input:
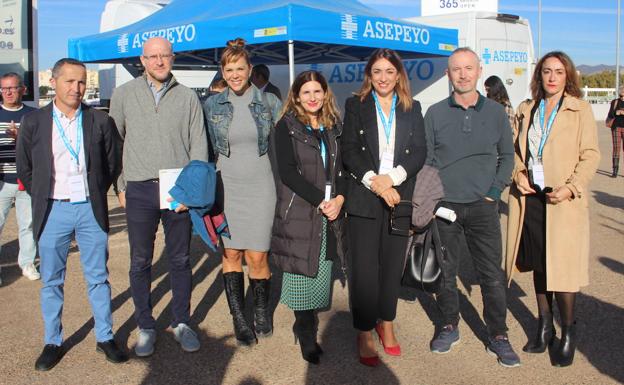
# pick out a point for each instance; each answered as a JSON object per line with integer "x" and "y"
{"x": 30, "y": 271}
{"x": 145, "y": 342}
{"x": 186, "y": 337}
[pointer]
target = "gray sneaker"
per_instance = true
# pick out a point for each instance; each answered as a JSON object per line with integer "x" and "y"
{"x": 501, "y": 348}
{"x": 186, "y": 337}
{"x": 145, "y": 342}
{"x": 447, "y": 338}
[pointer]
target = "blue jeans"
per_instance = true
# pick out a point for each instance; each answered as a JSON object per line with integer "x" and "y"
{"x": 64, "y": 220}
{"x": 23, "y": 213}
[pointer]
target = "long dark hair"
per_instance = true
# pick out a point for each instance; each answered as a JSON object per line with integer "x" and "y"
{"x": 402, "y": 88}
{"x": 328, "y": 115}
{"x": 496, "y": 90}
{"x": 572, "y": 87}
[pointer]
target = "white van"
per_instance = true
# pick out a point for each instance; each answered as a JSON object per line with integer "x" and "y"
{"x": 503, "y": 42}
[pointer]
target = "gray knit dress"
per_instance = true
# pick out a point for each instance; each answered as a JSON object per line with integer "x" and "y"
{"x": 249, "y": 188}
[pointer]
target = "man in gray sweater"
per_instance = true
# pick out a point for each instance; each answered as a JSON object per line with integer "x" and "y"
{"x": 161, "y": 124}
{"x": 469, "y": 141}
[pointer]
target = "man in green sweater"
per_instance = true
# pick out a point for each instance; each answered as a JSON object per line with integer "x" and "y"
{"x": 161, "y": 123}
{"x": 469, "y": 141}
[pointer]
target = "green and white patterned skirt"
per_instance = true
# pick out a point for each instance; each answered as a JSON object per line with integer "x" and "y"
{"x": 300, "y": 292}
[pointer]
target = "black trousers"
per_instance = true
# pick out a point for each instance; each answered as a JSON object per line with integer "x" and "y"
{"x": 143, "y": 214}
{"x": 478, "y": 226}
{"x": 377, "y": 261}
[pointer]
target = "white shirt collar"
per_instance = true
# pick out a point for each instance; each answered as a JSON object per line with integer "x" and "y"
{"x": 12, "y": 109}
{"x": 62, "y": 115}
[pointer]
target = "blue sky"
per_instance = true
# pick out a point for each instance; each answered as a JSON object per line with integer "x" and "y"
{"x": 586, "y": 30}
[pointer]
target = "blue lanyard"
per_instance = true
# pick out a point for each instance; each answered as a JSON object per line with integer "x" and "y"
{"x": 59, "y": 127}
{"x": 322, "y": 145}
{"x": 387, "y": 125}
{"x": 545, "y": 129}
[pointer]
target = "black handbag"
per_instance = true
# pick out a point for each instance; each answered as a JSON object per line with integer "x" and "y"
{"x": 423, "y": 265}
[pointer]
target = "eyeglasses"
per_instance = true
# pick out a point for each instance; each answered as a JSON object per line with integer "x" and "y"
{"x": 12, "y": 89}
{"x": 156, "y": 57}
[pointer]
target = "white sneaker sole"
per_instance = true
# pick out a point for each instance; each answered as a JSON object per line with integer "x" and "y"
{"x": 448, "y": 350}
{"x": 501, "y": 363}
{"x": 144, "y": 354}
{"x": 31, "y": 277}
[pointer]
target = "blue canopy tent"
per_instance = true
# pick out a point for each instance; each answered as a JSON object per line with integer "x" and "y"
{"x": 277, "y": 32}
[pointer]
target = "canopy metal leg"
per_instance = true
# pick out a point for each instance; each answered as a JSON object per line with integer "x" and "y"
{"x": 291, "y": 60}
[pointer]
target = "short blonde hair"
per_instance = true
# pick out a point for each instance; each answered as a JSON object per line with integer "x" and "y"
{"x": 234, "y": 50}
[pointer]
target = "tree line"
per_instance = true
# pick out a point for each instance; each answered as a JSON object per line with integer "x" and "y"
{"x": 604, "y": 79}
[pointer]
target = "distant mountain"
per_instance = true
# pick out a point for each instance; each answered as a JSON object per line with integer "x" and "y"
{"x": 588, "y": 70}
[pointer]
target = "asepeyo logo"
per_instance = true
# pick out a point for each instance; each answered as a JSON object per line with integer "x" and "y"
{"x": 177, "y": 34}
{"x": 399, "y": 32}
{"x": 504, "y": 56}
{"x": 349, "y": 26}
{"x": 122, "y": 43}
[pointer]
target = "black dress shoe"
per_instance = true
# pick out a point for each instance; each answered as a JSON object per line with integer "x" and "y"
{"x": 111, "y": 351}
{"x": 49, "y": 357}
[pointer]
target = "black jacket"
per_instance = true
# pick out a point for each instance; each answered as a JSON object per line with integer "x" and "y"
{"x": 272, "y": 89}
{"x": 296, "y": 240}
{"x": 360, "y": 152}
{"x": 34, "y": 161}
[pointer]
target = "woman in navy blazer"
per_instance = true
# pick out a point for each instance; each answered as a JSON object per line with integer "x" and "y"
{"x": 383, "y": 150}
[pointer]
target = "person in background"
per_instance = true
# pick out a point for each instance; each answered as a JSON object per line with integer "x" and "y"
{"x": 218, "y": 86}
{"x": 615, "y": 121}
{"x": 383, "y": 148}
{"x": 239, "y": 122}
{"x": 161, "y": 125}
{"x": 67, "y": 160}
{"x": 310, "y": 196}
{"x": 11, "y": 112}
{"x": 260, "y": 78}
{"x": 495, "y": 90}
{"x": 557, "y": 154}
{"x": 469, "y": 140}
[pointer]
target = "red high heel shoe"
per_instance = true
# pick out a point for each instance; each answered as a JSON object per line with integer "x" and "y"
{"x": 391, "y": 350}
{"x": 368, "y": 361}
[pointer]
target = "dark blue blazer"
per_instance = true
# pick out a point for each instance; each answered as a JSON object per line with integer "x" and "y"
{"x": 34, "y": 161}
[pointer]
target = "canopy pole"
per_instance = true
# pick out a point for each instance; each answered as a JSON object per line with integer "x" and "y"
{"x": 291, "y": 61}
{"x": 617, "y": 52}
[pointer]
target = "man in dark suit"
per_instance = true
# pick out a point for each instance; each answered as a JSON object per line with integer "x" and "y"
{"x": 67, "y": 160}
{"x": 260, "y": 78}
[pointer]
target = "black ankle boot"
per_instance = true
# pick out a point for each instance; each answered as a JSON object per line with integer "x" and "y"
{"x": 565, "y": 353}
{"x": 261, "y": 289}
{"x": 545, "y": 335}
{"x": 305, "y": 332}
{"x": 234, "y": 291}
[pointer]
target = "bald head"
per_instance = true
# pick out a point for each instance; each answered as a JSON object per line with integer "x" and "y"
{"x": 157, "y": 59}
{"x": 159, "y": 43}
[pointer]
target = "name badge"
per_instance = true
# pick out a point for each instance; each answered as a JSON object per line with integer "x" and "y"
{"x": 328, "y": 189}
{"x": 538, "y": 175}
{"x": 386, "y": 163}
{"x": 77, "y": 193}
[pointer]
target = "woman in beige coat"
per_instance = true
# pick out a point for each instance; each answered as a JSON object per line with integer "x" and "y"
{"x": 548, "y": 230}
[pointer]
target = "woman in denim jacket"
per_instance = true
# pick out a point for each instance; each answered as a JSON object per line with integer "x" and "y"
{"x": 239, "y": 121}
